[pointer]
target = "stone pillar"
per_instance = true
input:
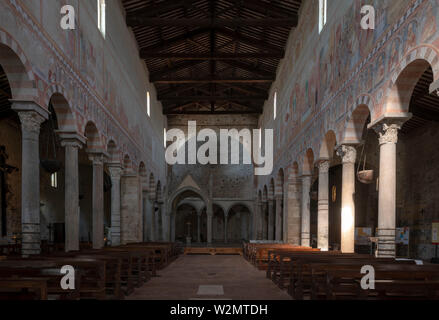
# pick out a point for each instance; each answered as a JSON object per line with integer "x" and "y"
{"x": 31, "y": 118}
{"x": 388, "y": 138}
{"x": 71, "y": 142}
{"x": 244, "y": 226}
{"x": 98, "y": 200}
{"x": 145, "y": 212}
{"x": 279, "y": 217}
{"x": 293, "y": 212}
{"x": 271, "y": 219}
{"x": 209, "y": 223}
{"x": 260, "y": 221}
{"x": 166, "y": 227}
{"x": 199, "y": 227}
{"x": 226, "y": 216}
{"x": 306, "y": 219}
{"x": 115, "y": 170}
{"x": 159, "y": 222}
{"x": 348, "y": 155}
{"x": 323, "y": 207}
{"x": 264, "y": 220}
{"x": 153, "y": 226}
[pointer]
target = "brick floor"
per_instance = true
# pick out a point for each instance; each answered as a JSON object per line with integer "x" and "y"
{"x": 233, "y": 275}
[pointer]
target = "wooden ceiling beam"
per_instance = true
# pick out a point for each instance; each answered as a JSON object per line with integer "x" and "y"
{"x": 136, "y": 21}
{"x": 174, "y": 41}
{"x": 212, "y": 80}
{"x": 212, "y": 113}
{"x": 181, "y": 66}
{"x": 163, "y": 7}
{"x": 208, "y": 56}
{"x": 212, "y": 98}
{"x": 262, "y": 45}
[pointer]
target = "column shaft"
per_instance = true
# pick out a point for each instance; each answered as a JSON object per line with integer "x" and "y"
{"x": 306, "y": 222}
{"x": 279, "y": 218}
{"x": 271, "y": 219}
{"x": 293, "y": 213}
{"x": 71, "y": 199}
{"x": 115, "y": 173}
{"x": 388, "y": 138}
{"x": 348, "y": 155}
{"x": 225, "y": 228}
{"x": 98, "y": 202}
{"x": 199, "y": 228}
{"x": 323, "y": 207}
{"x": 30, "y": 182}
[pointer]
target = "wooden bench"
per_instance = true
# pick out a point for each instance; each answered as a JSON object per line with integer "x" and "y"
{"x": 18, "y": 288}
{"x": 392, "y": 282}
{"x": 46, "y": 270}
{"x": 300, "y": 276}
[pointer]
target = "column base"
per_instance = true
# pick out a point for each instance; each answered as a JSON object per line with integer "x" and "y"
{"x": 386, "y": 243}
{"x": 305, "y": 240}
{"x": 31, "y": 239}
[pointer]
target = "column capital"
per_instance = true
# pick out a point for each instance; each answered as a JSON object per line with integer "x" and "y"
{"x": 29, "y": 106}
{"x": 115, "y": 170}
{"x": 348, "y": 153}
{"x": 98, "y": 158}
{"x": 30, "y": 121}
{"x": 72, "y": 139}
{"x": 324, "y": 165}
{"x": 388, "y": 132}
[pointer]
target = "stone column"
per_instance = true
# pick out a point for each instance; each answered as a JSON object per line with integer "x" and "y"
{"x": 31, "y": 118}
{"x": 271, "y": 219}
{"x": 159, "y": 222}
{"x": 153, "y": 226}
{"x": 260, "y": 221}
{"x": 293, "y": 212}
{"x": 244, "y": 226}
{"x": 98, "y": 200}
{"x": 146, "y": 222}
{"x": 388, "y": 138}
{"x": 279, "y": 217}
{"x": 348, "y": 155}
{"x": 199, "y": 227}
{"x": 166, "y": 227}
{"x": 306, "y": 219}
{"x": 115, "y": 170}
{"x": 71, "y": 142}
{"x": 226, "y": 216}
{"x": 323, "y": 207}
{"x": 209, "y": 223}
{"x": 264, "y": 221}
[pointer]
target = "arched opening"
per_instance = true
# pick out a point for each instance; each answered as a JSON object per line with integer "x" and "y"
{"x": 186, "y": 223}
{"x": 239, "y": 222}
{"x": 11, "y": 69}
{"x": 417, "y": 202}
{"x": 91, "y": 199}
{"x": 187, "y": 217}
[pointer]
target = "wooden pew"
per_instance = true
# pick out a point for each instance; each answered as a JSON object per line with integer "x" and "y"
{"x": 259, "y": 253}
{"x": 113, "y": 269}
{"x": 49, "y": 271}
{"x": 15, "y": 288}
{"x": 392, "y": 282}
{"x": 301, "y": 273}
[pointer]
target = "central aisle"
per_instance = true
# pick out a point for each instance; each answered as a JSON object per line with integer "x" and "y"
{"x": 210, "y": 277}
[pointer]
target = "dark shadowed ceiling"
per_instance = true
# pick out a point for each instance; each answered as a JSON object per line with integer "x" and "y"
{"x": 212, "y": 56}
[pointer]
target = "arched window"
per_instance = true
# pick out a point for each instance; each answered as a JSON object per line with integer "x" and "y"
{"x": 148, "y": 104}
{"x": 101, "y": 17}
{"x": 323, "y": 10}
